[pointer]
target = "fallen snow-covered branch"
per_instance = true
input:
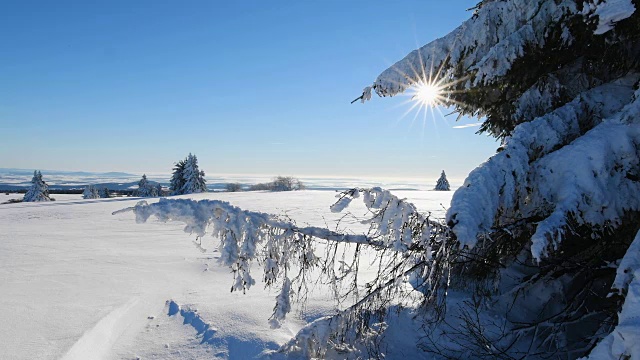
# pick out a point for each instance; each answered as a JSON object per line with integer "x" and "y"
{"x": 198, "y": 215}
{"x": 396, "y": 228}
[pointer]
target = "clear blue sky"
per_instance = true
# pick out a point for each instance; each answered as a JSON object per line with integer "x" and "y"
{"x": 251, "y": 87}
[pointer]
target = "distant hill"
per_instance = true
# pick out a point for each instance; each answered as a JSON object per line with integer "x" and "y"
{"x": 12, "y": 179}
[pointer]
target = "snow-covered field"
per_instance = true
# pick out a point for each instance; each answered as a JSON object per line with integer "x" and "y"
{"x": 79, "y": 283}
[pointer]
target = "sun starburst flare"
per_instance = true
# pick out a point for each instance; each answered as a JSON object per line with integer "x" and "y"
{"x": 427, "y": 93}
{"x": 426, "y": 97}
{"x": 430, "y": 93}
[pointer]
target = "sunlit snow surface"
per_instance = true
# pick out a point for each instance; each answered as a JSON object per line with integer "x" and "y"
{"x": 79, "y": 283}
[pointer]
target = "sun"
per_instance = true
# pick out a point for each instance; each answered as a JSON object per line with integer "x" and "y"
{"x": 430, "y": 90}
{"x": 427, "y": 93}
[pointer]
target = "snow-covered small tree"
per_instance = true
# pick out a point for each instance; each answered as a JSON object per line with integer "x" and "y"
{"x": 39, "y": 190}
{"x": 193, "y": 178}
{"x": 104, "y": 193}
{"x": 160, "y": 190}
{"x": 443, "y": 183}
{"x": 145, "y": 188}
{"x": 91, "y": 192}
{"x": 177, "y": 178}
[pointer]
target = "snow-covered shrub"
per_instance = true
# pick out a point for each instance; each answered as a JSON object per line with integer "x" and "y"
{"x": 39, "y": 190}
{"x": 233, "y": 187}
{"x": 91, "y": 192}
{"x": 443, "y": 183}
{"x": 280, "y": 183}
{"x": 540, "y": 242}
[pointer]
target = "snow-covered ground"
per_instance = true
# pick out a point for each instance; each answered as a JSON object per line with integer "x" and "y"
{"x": 79, "y": 283}
{"x": 11, "y": 196}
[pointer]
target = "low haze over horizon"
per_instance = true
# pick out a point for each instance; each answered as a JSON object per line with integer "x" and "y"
{"x": 250, "y": 88}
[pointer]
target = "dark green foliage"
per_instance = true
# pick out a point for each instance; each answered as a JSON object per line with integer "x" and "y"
{"x": 177, "y": 181}
{"x": 588, "y": 61}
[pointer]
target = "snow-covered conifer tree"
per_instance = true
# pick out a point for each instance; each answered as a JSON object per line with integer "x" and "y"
{"x": 540, "y": 244}
{"x": 193, "y": 178}
{"x": 145, "y": 188}
{"x": 201, "y": 183}
{"x": 443, "y": 183}
{"x": 104, "y": 193}
{"x": 90, "y": 192}
{"x": 39, "y": 190}
{"x": 177, "y": 178}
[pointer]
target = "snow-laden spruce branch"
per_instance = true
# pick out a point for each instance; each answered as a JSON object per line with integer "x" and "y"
{"x": 481, "y": 44}
{"x": 287, "y": 252}
{"x": 488, "y": 44}
{"x": 543, "y": 158}
{"x": 625, "y": 338}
